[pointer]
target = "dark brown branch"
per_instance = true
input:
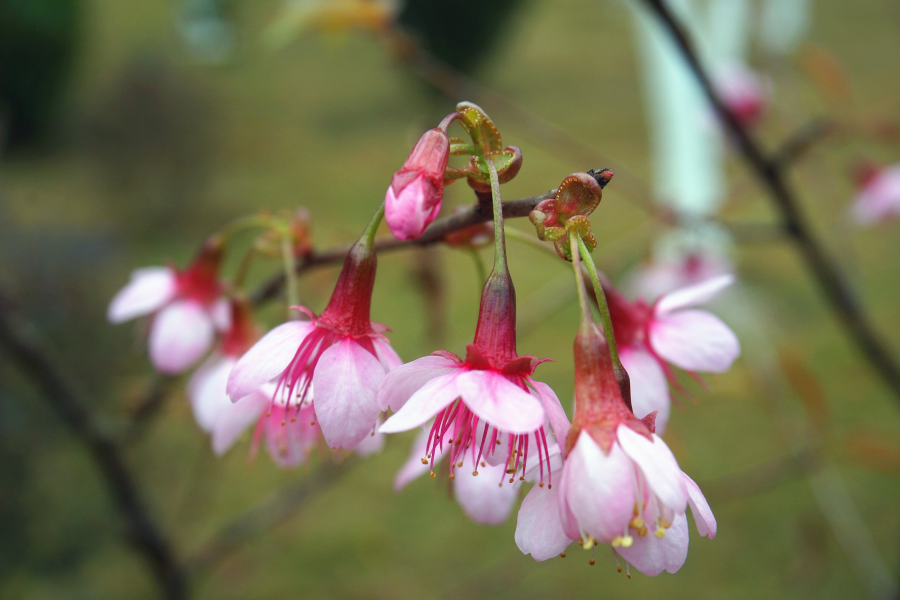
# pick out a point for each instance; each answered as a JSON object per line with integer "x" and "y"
{"x": 770, "y": 173}
{"x": 436, "y": 232}
{"x": 24, "y": 347}
{"x": 266, "y": 514}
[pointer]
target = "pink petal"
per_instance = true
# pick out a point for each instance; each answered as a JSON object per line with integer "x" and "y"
{"x": 404, "y": 381}
{"x": 554, "y": 410}
{"x": 424, "y": 404}
{"x": 649, "y": 388}
{"x": 503, "y": 404}
{"x": 658, "y": 464}
{"x": 539, "y": 528}
{"x": 148, "y": 291}
{"x": 703, "y": 516}
{"x": 180, "y": 334}
{"x": 235, "y": 419}
{"x": 533, "y": 474}
{"x": 220, "y": 312}
{"x": 695, "y": 340}
{"x": 693, "y": 295}
{"x": 345, "y": 381}
{"x": 206, "y": 390}
{"x": 267, "y": 358}
{"x": 480, "y": 496}
{"x": 386, "y": 355}
{"x": 409, "y": 213}
{"x": 651, "y": 555}
{"x": 413, "y": 468}
{"x": 598, "y": 489}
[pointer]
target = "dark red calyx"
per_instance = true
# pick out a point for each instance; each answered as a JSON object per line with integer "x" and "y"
{"x": 495, "y": 334}
{"x": 242, "y": 333}
{"x": 200, "y": 280}
{"x": 348, "y": 311}
{"x": 428, "y": 158}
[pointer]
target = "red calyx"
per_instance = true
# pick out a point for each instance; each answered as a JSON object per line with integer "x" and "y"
{"x": 348, "y": 311}
{"x": 599, "y": 406}
{"x": 629, "y": 319}
{"x": 200, "y": 280}
{"x": 428, "y": 158}
{"x": 243, "y": 332}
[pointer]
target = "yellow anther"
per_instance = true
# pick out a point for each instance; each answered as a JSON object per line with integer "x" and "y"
{"x": 623, "y": 541}
{"x": 459, "y": 464}
{"x": 590, "y": 542}
{"x": 636, "y": 523}
{"x": 665, "y": 523}
{"x": 642, "y": 531}
{"x": 474, "y": 472}
{"x": 636, "y": 511}
{"x": 483, "y": 464}
{"x": 433, "y": 475}
{"x": 660, "y": 532}
{"x": 452, "y": 476}
{"x": 424, "y": 461}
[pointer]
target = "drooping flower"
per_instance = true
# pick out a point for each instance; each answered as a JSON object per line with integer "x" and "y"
{"x": 486, "y": 404}
{"x": 620, "y": 484}
{"x": 742, "y": 91}
{"x": 653, "y": 338}
{"x": 340, "y": 354}
{"x": 878, "y": 198}
{"x": 413, "y": 199}
{"x": 186, "y": 308}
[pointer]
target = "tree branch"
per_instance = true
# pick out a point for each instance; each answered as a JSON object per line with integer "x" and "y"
{"x": 23, "y": 346}
{"x": 770, "y": 173}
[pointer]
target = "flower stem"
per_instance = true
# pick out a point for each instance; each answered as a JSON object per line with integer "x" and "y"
{"x": 369, "y": 234}
{"x": 579, "y": 279}
{"x": 290, "y": 273}
{"x": 499, "y": 232}
{"x": 605, "y": 318}
{"x": 257, "y": 221}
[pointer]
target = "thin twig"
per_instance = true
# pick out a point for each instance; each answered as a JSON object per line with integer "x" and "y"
{"x": 150, "y": 403}
{"x": 436, "y": 232}
{"x": 24, "y": 346}
{"x": 263, "y": 516}
{"x": 770, "y": 173}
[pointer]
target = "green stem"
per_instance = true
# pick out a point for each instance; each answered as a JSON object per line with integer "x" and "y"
{"x": 290, "y": 273}
{"x": 579, "y": 279}
{"x": 499, "y": 232}
{"x": 605, "y": 317}
{"x": 521, "y": 236}
{"x": 244, "y": 267}
{"x": 243, "y": 224}
{"x": 369, "y": 234}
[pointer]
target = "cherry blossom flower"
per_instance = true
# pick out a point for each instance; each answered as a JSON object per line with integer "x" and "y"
{"x": 878, "y": 199}
{"x": 340, "y": 353}
{"x": 620, "y": 483}
{"x": 653, "y": 338}
{"x": 413, "y": 199}
{"x": 186, "y": 308}
{"x": 743, "y": 93}
{"x": 486, "y": 404}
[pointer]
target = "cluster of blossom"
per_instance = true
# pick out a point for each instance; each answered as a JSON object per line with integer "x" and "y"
{"x": 605, "y": 478}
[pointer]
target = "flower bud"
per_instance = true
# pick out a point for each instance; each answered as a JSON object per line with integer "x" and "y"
{"x": 413, "y": 199}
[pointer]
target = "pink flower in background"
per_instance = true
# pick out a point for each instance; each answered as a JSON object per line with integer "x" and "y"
{"x": 186, "y": 308}
{"x": 878, "y": 199}
{"x": 341, "y": 354}
{"x": 743, "y": 93}
{"x": 486, "y": 404}
{"x": 206, "y": 387}
{"x": 653, "y": 338}
{"x": 620, "y": 483}
{"x": 413, "y": 199}
{"x": 668, "y": 274}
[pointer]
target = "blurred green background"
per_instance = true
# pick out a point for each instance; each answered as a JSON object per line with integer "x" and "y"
{"x": 150, "y": 147}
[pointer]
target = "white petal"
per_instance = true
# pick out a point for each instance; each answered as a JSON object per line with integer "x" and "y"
{"x": 703, "y": 516}
{"x": 649, "y": 388}
{"x": 695, "y": 340}
{"x": 539, "y": 528}
{"x": 206, "y": 390}
{"x": 373, "y": 443}
{"x": 658, "y": 465}
{"x": 481, "y": 496}
{"x": 148, "y": 291}
{"x": 268, "y": 358}
{"x": 651, "y": 555}
{"x": 180, "y": 334}
{"x": 386, "y": 355}
{"x": 424, "y": 404}
{"x": 401, "y": 383}
{"x": 555, "y": 412}
{"x": 346, "y": 379}
{"x": 693, "y": 295}
{"x": 235, "y": 419}
{"x": 598, "y": 488}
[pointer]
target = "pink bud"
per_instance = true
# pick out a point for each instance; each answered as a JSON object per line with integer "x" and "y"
{"x": 413, "y": 199}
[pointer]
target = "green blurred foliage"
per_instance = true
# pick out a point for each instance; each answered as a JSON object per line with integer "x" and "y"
{"x": 156, "y": 152}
